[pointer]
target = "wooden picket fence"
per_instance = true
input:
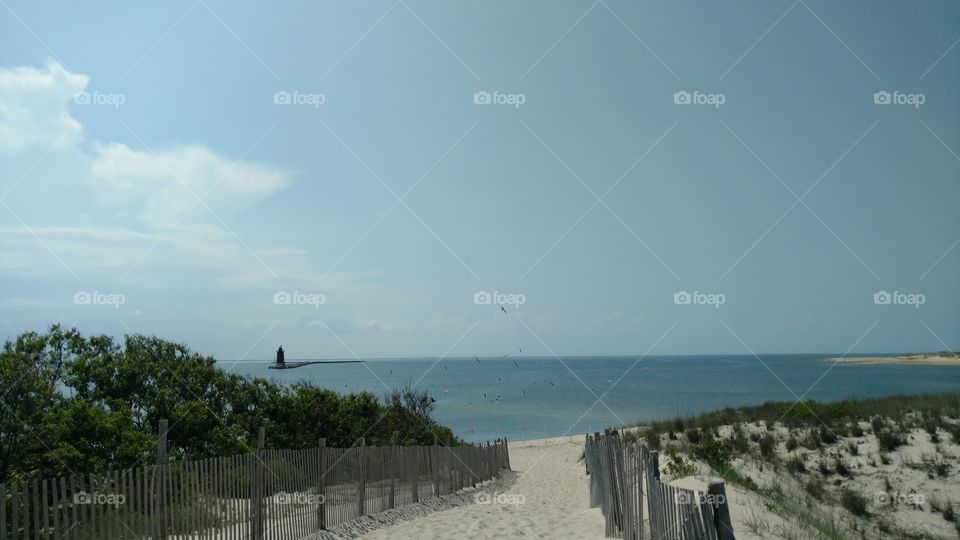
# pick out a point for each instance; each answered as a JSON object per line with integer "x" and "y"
{"x": 625, "y": 478}
{"x": 267, "y": 494}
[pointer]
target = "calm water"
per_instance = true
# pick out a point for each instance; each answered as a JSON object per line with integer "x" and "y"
{"x": 539, "y": 397}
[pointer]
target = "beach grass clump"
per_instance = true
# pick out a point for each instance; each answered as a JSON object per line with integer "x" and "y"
{"x": 796, "y": 465}
{"x": 949, "y": 513}
{"x": 792, "y": 444}
{"x": 852, "y": 448}
{"x": 755, "y": 523}
{"x": 853, "y": 501}
{"x": 652, "y": 438}
{"x": 842, "y": 468}
{"x": 889, "y": 441}
{"x": 768, "y": 445}
{"x": 694, "y": 435}
{"x": 954, "y": 431}
{"x": 812, "y": 440}
{"x": 740, "y": 443}
{"x": 815, "y": 489}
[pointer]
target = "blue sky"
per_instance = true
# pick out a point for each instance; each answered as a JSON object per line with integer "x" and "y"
{"x": 155, "y": 180}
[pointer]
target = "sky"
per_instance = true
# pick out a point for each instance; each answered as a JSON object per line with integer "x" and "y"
{"x": 379, "y": 179}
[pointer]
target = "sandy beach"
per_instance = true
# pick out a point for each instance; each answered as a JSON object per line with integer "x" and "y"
{"x": 912, "y": 359}
{"x": 548, "y": 499}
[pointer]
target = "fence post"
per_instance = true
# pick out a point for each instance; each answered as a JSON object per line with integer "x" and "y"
{"x": 161, "y": 481}
{"x": 362, "y": 489}
{"x": 322, "y": 487}
{"x": 506, "y": 448}
{"x": 721, "y": 510}
{"x": 434, "y": 466}
{"x": 256, "y": 501}
{"x": 413, "y": 455}
{"x": 395, "y": 468}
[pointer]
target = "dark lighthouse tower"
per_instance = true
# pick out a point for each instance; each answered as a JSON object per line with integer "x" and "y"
{"x": 280, "y": 356}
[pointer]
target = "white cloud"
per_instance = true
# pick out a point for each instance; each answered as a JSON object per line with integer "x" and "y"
{"x": 118, "y": 204}
{"x": 34, "y": 107}
{"x": 168, "y": 184}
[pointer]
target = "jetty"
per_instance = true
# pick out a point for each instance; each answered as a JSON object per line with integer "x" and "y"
{"x": 281, "y": 363}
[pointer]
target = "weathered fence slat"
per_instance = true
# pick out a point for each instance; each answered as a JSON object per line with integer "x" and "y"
{"x": 623, "y": 475}
{"x": 255, "y": 496}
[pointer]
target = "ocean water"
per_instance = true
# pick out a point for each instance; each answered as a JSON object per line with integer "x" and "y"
{"x": 533, "y": 397}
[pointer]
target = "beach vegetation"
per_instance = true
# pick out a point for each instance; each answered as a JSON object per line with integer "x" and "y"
{"x": 79, "y": 404}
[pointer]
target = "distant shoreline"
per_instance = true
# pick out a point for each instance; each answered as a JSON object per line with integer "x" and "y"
{"x": 925, "y": 359}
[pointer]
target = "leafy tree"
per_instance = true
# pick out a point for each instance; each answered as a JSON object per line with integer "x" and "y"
{"x": 77, "y": 405}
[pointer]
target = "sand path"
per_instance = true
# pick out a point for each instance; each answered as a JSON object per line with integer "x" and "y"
{"x": 549, "y": 499}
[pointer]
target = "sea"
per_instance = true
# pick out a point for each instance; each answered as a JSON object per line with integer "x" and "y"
{"x": 484, "y": 398}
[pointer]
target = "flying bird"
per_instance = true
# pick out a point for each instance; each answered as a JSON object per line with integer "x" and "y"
{"x": 503, "y": 309}
{"x": 477, "y": 359}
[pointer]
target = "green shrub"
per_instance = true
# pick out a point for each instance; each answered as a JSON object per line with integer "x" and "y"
{"x": 678, "y": 467}
{"x": 715, "y": 453}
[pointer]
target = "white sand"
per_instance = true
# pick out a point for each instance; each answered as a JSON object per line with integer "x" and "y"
{"x": 913, "y": 359}
{"x": 550, "y": 499}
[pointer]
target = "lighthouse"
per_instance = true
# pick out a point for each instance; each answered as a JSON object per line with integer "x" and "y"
{"x": 280, "y": 356}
